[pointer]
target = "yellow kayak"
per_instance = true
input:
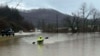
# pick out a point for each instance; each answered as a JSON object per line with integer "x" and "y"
{"x": 40, "y": 40}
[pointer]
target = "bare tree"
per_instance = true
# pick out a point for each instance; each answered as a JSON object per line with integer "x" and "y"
{"x": 76, "y": 21}
{"x": 18, "y": 4}
{"x": 85, "y": 14}
{"x": 79, "y": 20}
{"x": 95, "y": 17}
{"x": 72, "y": 22}
{"x": 9, "y": 1}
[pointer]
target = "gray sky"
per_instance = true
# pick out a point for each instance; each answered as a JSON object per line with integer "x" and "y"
{"x": 64, "y": 6}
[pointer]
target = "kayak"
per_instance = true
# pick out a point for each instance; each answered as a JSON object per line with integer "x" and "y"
{"x": 40, "y": 42}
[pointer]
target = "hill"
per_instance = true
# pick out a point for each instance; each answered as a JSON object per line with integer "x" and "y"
{"x": 48, "y": 16}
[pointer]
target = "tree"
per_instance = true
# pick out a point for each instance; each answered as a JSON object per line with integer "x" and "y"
{"x": 10, "y": 17}
{"x": 85, "y": 13}
{"x": 95, "y": 19}
{"x": 79, "y": 21}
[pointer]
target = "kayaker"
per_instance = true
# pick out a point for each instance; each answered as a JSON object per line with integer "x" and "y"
{"x": 40, "y": 38}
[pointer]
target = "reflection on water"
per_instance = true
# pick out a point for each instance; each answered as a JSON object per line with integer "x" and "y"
{"x": 40, "y": 49}
{"x": 62, "y": 44}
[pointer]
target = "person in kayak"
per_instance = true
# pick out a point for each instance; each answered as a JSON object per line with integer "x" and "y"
{"x": 40, "y": 39}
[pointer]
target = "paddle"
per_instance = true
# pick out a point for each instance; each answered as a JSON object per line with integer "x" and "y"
{"x": 44, "y": 38}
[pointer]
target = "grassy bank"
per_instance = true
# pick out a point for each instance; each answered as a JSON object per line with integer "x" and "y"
{"x": 5, "y": 38}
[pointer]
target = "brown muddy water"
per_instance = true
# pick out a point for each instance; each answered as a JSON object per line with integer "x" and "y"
{"x": 61, "y": 44}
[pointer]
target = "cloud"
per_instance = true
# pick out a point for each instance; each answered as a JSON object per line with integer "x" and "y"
{"x": 65, "y": 6}
{"x": 32, "y": 4}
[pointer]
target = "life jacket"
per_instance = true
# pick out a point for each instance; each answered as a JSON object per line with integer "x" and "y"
{"x": 40, "y": 39}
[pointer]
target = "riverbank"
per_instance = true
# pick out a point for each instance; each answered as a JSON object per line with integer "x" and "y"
{"x": 5, "y": 38}
{"x": 17, "y": 35}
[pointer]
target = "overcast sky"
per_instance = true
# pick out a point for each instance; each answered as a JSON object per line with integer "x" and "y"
{"x": 64, "y": 6}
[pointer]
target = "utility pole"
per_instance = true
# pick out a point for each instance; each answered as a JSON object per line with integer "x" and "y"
{"x": 57, "y": 22}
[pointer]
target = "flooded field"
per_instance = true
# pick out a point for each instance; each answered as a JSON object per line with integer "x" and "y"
{"x": 61, "y": 44}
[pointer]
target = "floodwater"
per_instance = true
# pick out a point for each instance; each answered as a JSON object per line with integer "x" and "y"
{"x": 61, "y": 44}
